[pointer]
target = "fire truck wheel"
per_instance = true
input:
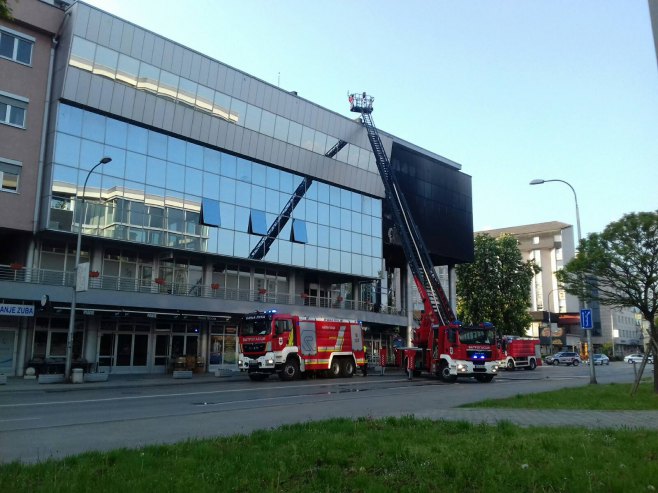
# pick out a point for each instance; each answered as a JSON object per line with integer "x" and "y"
{"x": 484, "y": 378}
{"x": 444, "y": 373}
{"x": 532, "y": 365}
{"x": 510, "y": 364}
{"x": 334, "y": 368}
{"x": 258, "y": 377}
{"x": 290, "y": 370}
{"x": 347, "y": 368}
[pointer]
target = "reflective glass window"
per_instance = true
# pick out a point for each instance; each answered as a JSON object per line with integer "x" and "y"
{"x": 311, "y": 211}
{"x": 211, "y": 160}
{"x": 69, "y": 119}
{"x": 298, "y": 231}
{"x": 204, "y": 98}
{"x": 323, "y": 258}
{"x": 272, "y": 178}
{"x": 210, "y": 213}
{"x": 168, "y": 85}
{"x": 229, "y": 166}
{"x": 175, "y": 177}
{"x": 155, "y": 172}
{"x": 366, "y": 225}
{"x": 193, "y": 181}
{"x": 135, "y": 167}
{"x": 137, "y": 139}
{"x": 272, "y": 201}
{"x": 257, "y": 223}
{"x": 343, "y": 153}
{"x": 357, "y": 264}
{"x": 366, "y": 245}
{"x": 252, "y": 120}
{"x": 105, "y": 62}
{"x": 295, "y": 133}
{"x": 345, "y": 219}
{"x": 242, "y": 217}
{"x": 285, "y": 251}
{"x": 376, "y": 207}
{"x": 334, "y": 260}
{"x": 334, "y": 195}
{"x": 187, "y": 91}
{"x": 355, "y": 242}
{"x": 157, "y": 145}
{"x": 311, "y": 257}
{"x": 345, "y": 240}
{"x": 297, "y": 257}
{"x": 90, "y": 154}
{"x": 244, "y": 170}
{"x": 175, "y": 150}
{"x": 376, "y": 247}
{"x": 238, "y": 111}
{"x": 243, "y": 194}
{"x": 356, "y": 221}
{"x": 93, "y": 126}
{"x": 345, "y": 198}
{"x": 320, "y": 143}
{"x": 377, "y": 227}
{"x": 334, "y": 216}
{"x": 228, "y": 211}
{"x": 258, "y": 198}
{"x": 323, "y": 192}
{"x": 175, "y": 219}
{"x": 211, "y": 185}
{"x": 312, "y": 233}
{"x": 7, "y": 45}
{"x": 267, "y": 123}
{"x": 148, "y": 77}
{"x": 194, "y": 155}
{"x": 356, "y": 201}
{"x": 116, "y": 133}
{"x": 116, "y": 167}
{"x": 222, "y": 105}
{"x": 281, "y": 128}
{"x": 82, "y": 53}
{"x": 227, "y": 190}
{"x": 308, "y": 134}
{"x": 225, "y": 242}
{"x": 258, "y": 174}
{"x": 64, "y": 177}
{"x": 353, "y": 155}
{"x": 323, "y": 214}
{"x": 334, "y": 239}
{"x": 345, "y": 262}
{"x": 67, "y": 150}
{"x": 127, "y": 70}
{"x": 286, "y": 183}
{"x": 364, "y": 157}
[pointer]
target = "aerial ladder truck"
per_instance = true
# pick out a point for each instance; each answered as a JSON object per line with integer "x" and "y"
{"x": 442, "y": 345}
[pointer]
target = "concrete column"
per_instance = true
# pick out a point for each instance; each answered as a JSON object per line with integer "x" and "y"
{"x": 89, "y": 352}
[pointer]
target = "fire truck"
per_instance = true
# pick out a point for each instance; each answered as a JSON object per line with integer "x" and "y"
{"x": 442, "y": 345}
{"x": 292, "y": 346}
{"x": 520, "y": 352}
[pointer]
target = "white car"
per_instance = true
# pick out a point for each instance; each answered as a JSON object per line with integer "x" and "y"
{"x": 600, "y": 359}
{"x": 636, "y": 358}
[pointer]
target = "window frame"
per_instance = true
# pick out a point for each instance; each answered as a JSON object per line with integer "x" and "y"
{"x": 13, "y": 101}
{"x": 17, "y": 36}
{"x": 11, "y": 167}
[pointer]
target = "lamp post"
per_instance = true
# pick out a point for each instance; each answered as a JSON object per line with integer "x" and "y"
{"x": 550, "y": 318}
{"x": 539, "y": 181}
{"x": 69, "y": 338}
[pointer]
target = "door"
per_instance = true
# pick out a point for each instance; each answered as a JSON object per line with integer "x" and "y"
{"x": 223, "y": 348}
{"x": 8, "y": 352}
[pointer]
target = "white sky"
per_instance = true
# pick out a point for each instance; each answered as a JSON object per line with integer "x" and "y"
{"x": 511, "y": 89}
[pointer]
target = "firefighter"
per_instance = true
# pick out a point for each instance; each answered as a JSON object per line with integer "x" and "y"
{"x": 364, "y": 369}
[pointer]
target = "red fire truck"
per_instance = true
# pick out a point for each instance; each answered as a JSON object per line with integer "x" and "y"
{"x": 290, "y": 346}
{"x": 520, "y": 352}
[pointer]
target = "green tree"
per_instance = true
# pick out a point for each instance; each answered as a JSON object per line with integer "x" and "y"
{"x": 496, "y": 286}
{"x": 5, "y": 11}
{"x": 619, "y": 267}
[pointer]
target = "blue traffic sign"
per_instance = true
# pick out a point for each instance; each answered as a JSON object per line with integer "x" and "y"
{"x": 586, "y": 318}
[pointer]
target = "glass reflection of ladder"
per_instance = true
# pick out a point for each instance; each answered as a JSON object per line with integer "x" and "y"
{"x": 263, "y": 246}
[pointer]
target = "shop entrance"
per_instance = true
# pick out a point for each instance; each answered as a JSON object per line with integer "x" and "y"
{"x": 7, "y": 351}
{"x": 123, "y": 350}
{"x": 223, "y": 347}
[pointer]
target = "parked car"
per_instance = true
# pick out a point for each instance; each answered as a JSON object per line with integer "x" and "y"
{"x": 636, "y": 358}
{"x": 600, "y": 359}
{"x": 564, "y": 357}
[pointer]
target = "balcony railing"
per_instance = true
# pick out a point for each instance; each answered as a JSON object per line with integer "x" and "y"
{"x": 18, "y": 273}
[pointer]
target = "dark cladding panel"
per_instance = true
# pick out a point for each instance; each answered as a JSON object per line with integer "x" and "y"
{"x": 440, "y": 199}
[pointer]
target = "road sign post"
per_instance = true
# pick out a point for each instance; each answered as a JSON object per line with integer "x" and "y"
{"x": 587, "y": 325}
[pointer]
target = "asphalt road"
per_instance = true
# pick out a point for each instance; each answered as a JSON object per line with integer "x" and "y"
{"x": 39, "y": 423}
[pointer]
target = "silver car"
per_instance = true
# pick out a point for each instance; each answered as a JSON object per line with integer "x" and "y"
{"x": 637, "y": 358}
{"x": 600, "y": 359}
{"x": 564, "y": 357}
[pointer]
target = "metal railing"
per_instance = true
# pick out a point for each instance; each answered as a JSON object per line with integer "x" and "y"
{"x": 18, "y": 273}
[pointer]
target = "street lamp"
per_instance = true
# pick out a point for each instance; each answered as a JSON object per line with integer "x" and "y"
{"x": 539, "y": 181}
{"x": 69, "y": 338}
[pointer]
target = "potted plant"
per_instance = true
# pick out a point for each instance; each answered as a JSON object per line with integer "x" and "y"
{"x": 214, "y": 286}
{"x": 160, "y": 281}
{"x": 262, "y": 291}
{"x": 94, "y": 273}
{"x": 15, "y": 266}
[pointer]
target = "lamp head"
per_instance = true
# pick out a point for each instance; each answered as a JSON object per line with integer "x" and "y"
{"x": 106, "y": 160}
{"x": 537, "y": 181}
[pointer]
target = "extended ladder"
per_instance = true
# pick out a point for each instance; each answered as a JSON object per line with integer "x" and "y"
{"x": 434, "y": 298}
